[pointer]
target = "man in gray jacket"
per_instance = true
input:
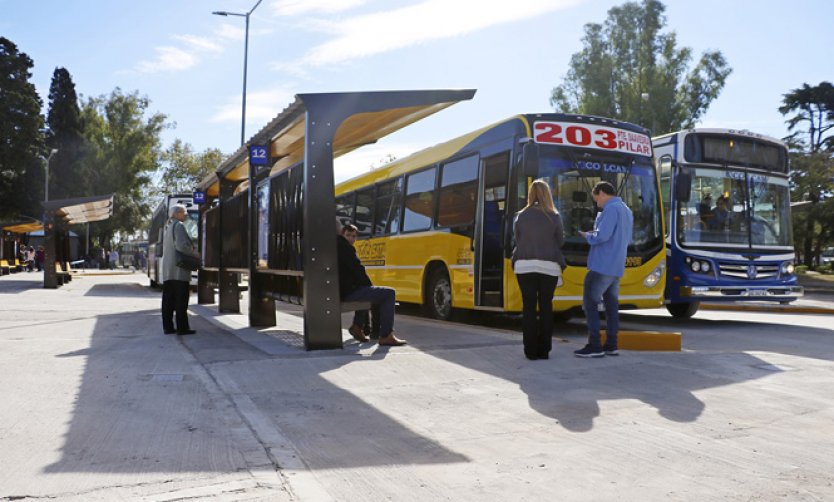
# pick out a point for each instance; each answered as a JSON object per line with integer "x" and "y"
{"x": 176, "y": 280}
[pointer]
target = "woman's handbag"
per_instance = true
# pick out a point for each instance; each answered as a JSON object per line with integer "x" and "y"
{"x": 187, "y": 261}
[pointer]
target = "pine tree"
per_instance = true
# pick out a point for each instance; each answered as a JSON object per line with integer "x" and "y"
{"x": 65, "y": 133}
{"x": 21, "y": 139}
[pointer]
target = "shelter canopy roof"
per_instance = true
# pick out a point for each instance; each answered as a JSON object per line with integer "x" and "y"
{"x": 285, "y": 134}
{"x": 81, "y": 209}
{"x": 22, "y": 226}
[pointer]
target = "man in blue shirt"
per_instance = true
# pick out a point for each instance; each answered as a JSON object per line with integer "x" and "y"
{"x": 609, "y": 242}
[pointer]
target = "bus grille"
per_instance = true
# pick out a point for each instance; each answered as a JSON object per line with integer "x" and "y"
{"x": 751, "y": 271}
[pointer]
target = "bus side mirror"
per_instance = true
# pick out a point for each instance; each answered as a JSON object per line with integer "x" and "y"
{"x": 530, "y": 159}
{"x": 683, "y": 185}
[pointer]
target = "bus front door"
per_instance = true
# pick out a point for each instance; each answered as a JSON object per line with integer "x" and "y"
{"x": 489, "y": 252}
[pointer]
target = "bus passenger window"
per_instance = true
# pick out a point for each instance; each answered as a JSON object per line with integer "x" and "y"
{"x": 458, "y": 193}
{"x": 387, "y": 214}
{"x": 344, "y": 209}
{"x": 419, "y": 201}
{"x": 364, "y": 211}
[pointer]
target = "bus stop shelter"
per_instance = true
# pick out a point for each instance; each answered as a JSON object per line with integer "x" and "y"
{"x": 289, "y": 163}
{"x": 9, "y": 233}
{"x": 58, "y": 215}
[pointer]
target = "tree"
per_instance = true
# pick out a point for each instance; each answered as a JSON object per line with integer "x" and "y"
{"x": 185, "y": 168}
{"x": 630, "y": 70}
{"x": 812, "y": 166}
{"x": 65, "y": 133}
{"x": 21, "y": 139}
{"x": 124, "y": 139}
{"x": 815, "y": 109}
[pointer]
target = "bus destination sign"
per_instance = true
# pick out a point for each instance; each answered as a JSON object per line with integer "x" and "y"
{"x": 598, "y": 137}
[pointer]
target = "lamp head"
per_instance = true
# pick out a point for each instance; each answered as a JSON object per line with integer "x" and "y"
{"x": 220, "y": 13}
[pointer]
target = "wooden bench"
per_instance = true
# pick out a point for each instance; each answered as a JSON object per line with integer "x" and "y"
{"x": 62, "y": 277}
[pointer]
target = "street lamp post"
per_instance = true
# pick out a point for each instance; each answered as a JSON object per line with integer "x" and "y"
{"x": 46, "y": 174}
{"x": 245, "y": 61}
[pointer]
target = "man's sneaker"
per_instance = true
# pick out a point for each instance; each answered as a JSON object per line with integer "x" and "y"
{"x": 610, "y": 351}
{"x": 588, "y": 351}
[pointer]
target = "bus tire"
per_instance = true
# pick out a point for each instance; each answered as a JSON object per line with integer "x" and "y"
{"x": 683, "y": 310}
{"x": 438, "y": 304}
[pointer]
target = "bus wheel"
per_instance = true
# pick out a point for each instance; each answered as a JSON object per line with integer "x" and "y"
{"x": 683, "y": 310}
{"x": 439, "y": 295}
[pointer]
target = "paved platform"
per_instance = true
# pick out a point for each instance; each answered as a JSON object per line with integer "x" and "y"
{"x": 100, "y": 405}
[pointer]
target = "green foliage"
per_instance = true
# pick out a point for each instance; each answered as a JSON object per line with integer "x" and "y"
{"x": 184, "y": 168}
{"x": 801, "y": 269}
{"x": 67, "y": 177}
{"x": 630, "y": 70}
{"x": 814, "y": 107}
{"x": 124, "y": 150}
{"x": 22, "y": 144}
{"x": 812, "y": 166}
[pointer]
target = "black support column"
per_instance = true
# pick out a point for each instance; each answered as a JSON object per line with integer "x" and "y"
{"x": 205, "y": 285}
{"x": 261, "y": 307}
{"x": 227, "y": 282}
{"x": 50, "y": 278}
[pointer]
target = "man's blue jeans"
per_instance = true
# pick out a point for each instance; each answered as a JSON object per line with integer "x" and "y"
{"x": 383, "y": 299}
{"x": 606, "y": 289}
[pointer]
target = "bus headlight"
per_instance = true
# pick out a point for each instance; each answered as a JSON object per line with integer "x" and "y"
{"x": 787, "y": 268}
{"x": 654, "y": 277}
{"x": 698, "y": 266}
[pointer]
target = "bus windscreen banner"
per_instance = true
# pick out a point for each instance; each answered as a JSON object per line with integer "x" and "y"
{"x": 597, "y": 137}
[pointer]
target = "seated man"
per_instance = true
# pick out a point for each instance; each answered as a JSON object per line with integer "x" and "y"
{"x": 356, "y": 286}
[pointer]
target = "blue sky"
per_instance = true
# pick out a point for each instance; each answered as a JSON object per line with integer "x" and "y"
{"x": 190, "y": 63}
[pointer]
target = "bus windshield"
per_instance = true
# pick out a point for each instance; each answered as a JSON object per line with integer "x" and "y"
{"x": 573, "y": 176}
{"x": 191, "y": 223}
{"x": 717, "y": 212}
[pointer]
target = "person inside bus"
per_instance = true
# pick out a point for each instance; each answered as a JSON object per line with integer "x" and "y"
{"x": 721, "y": 214}
{"x": 705, "y": 212}
{"x": 356, "y": 286}
{"x": 538, "y": 263}
{"x": 176, "y": 280}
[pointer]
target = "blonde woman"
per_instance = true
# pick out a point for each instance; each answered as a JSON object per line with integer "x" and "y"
{"x": 538, "y": 264}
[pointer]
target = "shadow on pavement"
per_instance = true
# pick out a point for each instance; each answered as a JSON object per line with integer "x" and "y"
{"x": 569, "y": 389}
{"x": 13, "y": 286}
{"x": 124, "y": 289}
{"x": 145, "y": 405}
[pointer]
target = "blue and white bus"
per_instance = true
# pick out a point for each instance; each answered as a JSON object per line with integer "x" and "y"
{"x": 728, "y": 219}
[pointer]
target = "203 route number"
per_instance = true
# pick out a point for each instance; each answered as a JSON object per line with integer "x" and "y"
{"x": 591, "y": 136}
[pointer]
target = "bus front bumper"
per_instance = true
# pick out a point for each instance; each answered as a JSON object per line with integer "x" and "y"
{"x": 743, "y": 292}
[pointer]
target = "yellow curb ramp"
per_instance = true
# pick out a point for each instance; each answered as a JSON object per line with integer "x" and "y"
{"x": 648, "y": 340}
{"x": 770, "y": 309}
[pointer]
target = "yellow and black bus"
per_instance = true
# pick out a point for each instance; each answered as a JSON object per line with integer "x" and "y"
{"x": 437, "y": 225}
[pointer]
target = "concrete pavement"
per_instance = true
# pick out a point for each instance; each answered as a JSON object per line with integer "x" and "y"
{"x": 102, "y": 406}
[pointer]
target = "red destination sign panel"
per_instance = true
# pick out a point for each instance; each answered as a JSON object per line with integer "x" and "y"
{"x": 598, "y": 137}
